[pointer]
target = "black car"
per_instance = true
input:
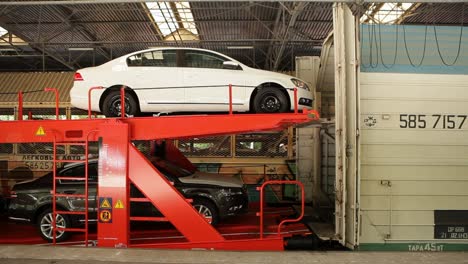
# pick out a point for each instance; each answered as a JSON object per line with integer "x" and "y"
{"x": 214, "y": 196}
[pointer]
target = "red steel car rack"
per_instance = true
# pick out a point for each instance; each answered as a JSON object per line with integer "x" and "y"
{"x": 121, "y": 163}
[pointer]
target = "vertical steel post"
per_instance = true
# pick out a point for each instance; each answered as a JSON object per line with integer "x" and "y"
{"x": 56, "y": 100}
{"x": 87, "y": 187}
{"x": 295, "y": 101}
{"x": 54, "y": 191}
{"x": 122, "y": 102}
{"x": 20, "y": 105}
{"x": 230, "y": 99}
{"x": 261, "y": 212}
{"x": 113, "y": 189}
{"x": 86, "y": 147}
{"x": 89, "y": 99}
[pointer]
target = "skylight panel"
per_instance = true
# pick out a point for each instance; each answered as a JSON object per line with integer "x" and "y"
{"x": 3, "y": 31}
{"x": 163, "y": 16}
{"x": 169, "y": 19}
{"x": 387, "y": 13}
{"x": 186, "y": 16}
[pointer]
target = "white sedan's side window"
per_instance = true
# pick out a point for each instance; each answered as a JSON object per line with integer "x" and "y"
{"x": 134, "y": 60}
{"x": 201, "y": 59}
{"x": 158, "y": 58}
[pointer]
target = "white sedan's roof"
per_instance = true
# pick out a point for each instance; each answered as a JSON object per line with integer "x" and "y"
{"x": 175, "y": 48}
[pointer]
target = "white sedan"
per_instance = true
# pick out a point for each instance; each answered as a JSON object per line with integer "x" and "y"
{"x": 170, "y": 80}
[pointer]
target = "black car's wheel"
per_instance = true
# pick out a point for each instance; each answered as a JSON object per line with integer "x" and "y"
{"x": 207, "y": 209}
{"x": 46, "y": 229}
{"x": 270, "y": 100}
{"x": 112, "y": 105}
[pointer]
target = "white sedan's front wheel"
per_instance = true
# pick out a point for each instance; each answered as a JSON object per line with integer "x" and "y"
{"x": 270, "y": 100}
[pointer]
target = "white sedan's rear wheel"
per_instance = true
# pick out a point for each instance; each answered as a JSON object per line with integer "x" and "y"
{"x": 112, "y": 105}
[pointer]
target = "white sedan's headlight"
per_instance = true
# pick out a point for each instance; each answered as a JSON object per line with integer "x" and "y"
{"x": 300, "y": 84}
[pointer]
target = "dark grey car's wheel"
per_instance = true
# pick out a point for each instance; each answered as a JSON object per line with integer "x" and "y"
{"x": 270, "y": 100}
{"x": 112, "y": 105}
{"x": 46, "y": 229}
{"x": 207, "y": 209}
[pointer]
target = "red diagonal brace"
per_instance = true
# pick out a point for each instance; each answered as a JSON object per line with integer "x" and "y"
{"x": 168, "y": 200}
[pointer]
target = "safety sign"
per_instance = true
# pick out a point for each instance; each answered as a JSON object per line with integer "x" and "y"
{"x": 119, "y": 205}
{"x": 40, "y": 131}
{"x": 105, "y": 216}
{"x": 105, "y": 202}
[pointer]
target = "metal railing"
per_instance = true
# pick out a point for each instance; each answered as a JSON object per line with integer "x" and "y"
{"x": 122, "y": 100}
{"x": 260, "y": 214}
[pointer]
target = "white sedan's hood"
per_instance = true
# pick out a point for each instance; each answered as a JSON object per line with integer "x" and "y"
{"x": 212, "y": 179}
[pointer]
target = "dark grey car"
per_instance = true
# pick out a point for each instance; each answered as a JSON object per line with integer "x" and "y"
{"x": 214, "y": 196}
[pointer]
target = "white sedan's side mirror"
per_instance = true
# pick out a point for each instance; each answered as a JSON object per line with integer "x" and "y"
{"x": 231, "y": 65}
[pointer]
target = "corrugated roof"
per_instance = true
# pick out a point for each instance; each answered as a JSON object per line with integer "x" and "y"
{"x": 122, "y": 28}
{"x": 115, "y": 29}
{"x": 439, "y": 14}
{"x": 32, "y": 85}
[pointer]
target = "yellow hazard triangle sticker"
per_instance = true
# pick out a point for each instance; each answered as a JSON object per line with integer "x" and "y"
{"x": 40, "y": 131}
{"x": 119, "y": 205}
{"x": 105, "y": 204}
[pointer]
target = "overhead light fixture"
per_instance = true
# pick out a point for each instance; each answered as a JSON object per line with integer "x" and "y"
{"x": 80, "y": 49}
{"x": 239, "y": 47}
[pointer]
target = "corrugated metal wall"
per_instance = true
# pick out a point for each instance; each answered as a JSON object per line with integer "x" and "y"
{"x": 414, "y": 49}
{"x": 414, "y": 138}
{"x": 32, "y": 85}
{"x": 411, "y": 164}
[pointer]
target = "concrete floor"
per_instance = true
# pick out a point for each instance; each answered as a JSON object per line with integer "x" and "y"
{"x": 73, "y": 255}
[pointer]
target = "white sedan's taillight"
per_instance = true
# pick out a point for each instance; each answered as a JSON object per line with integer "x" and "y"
{"x": 78, "y": 77}
{"x": 13, "y": 194}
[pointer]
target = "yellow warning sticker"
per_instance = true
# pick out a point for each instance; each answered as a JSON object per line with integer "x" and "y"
{"x": 40, "y": 131}
{"x": 105, "y": 203}
{"x": 105, "y": 216}
{"x": 119, "y": 205}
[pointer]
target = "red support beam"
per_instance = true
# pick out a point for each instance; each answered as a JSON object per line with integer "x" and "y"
{"x": 113, "y": 191}
{"x": 149, "y": 128}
